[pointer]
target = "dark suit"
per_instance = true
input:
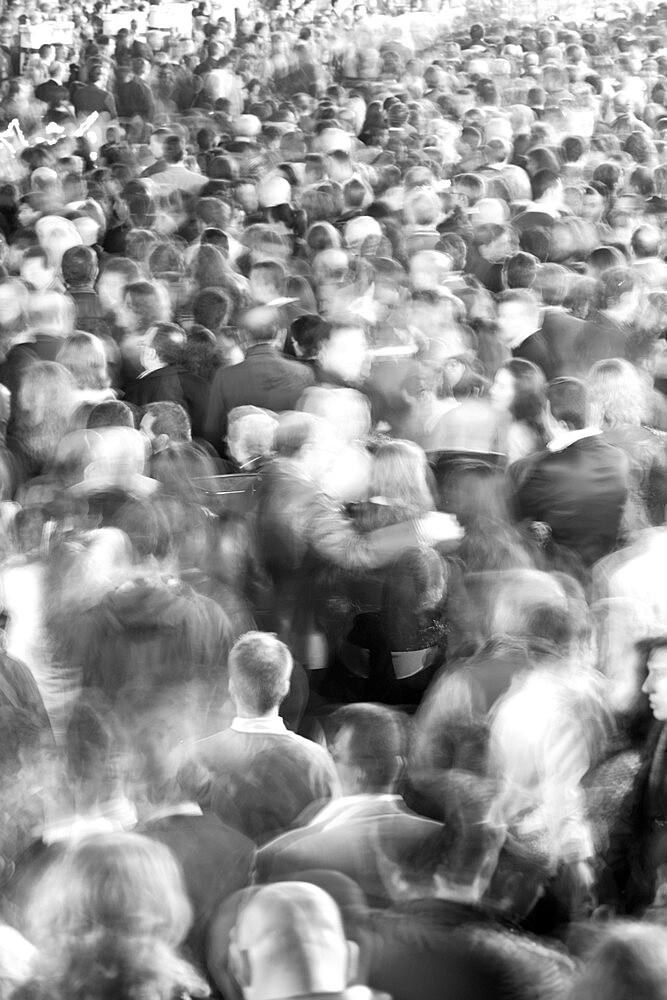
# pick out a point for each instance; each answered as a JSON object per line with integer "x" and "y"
{"x": 561, "y": 332}
{"x": 216, "y": 861}
{"x": 534, "y": 348}
{"x": 579, "y": 492}
{"x": 347, "y": 843}
{"x": 51, "y": 93}
{"x": 172, "y": 384}
{"x": 260, "y": 782}
{"x": 265, "y": 378}
{"x": 601, "y": 338}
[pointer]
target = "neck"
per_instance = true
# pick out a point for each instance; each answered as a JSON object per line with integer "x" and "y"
{"x": 249, "y": 713}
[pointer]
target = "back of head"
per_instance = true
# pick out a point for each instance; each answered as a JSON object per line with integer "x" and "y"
{"x": 111, "y": 884}
{"x": 110, "y": 413}
{"x": 260, "y": 667}
{"x": 79, "y": 266}
{"x": 568, "y": 400}
{"x": 289, "y": 941}
{"x": 615, "y": 284}
{"x": 168, "y": 341}
{"x": 170, "y": 420}
{"x": 212, "y": 308}
{"x": 250, "y": 433}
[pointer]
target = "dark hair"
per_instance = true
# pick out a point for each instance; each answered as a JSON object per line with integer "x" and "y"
{"x": 568, "y": 399}
{"x": 110, "y": 413}
{"x": 521, "y": 270}
{"x": 378, "y": 741}
{"x": 529, "y": 393}
{"x": 212, "y": 308}
{"x": 168, "y": 342}
{"x": 79, "y": 266}
{"x": 170, "y": 419}
{"x": 542, "y": 182}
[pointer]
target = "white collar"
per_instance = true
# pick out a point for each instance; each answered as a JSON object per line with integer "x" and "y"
{"x": 564, "y": 439}
{"x": 165, "y": 812}
{"x": 262, "y": 724}
{"x": 521, "y": 338}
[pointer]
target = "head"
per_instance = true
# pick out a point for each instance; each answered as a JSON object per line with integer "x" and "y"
{"x": 519, "y": 388}
{"x": 85, "y": 357}
{"x": 518, "y": 315}
{"x": 260, "y": 668}
{"x": 162, "y": 344}
{"x": 399, "y": 473}
{"x": 342, "y": 351}
{"x": 166, "y": 424}
{"x": 617, "y": 393}
{"x": 36, "y": 270}
{"x": 569, "y": 404}
{"x": 110, "y": 413}
{"x": 79, "y": 267}
{"x": 655, "y": 685}
{"x": 116, "y": 275}
{"x": 74, "y": 900}
{"x": 368, "y": 748}
{"x": 250, "y": 433}
{"x": 289, "y": 941}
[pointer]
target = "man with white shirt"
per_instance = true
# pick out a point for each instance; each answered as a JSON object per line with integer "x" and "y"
{"x": 578, "y": 485}
{"x": 175, "y": 176}
{"x": 257, "y": 775}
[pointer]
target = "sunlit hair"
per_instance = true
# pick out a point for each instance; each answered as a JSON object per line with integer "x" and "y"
{"x": 115, "y": 883}
{"x": 399, "y": 472}
{"x": 106, "y": 918}
{"x": 618, "y": 392}
{"x": 44, "y": 407}
{"x": 84, "y": 356}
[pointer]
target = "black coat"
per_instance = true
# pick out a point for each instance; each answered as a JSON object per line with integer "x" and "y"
{"x": 265, "y": 378}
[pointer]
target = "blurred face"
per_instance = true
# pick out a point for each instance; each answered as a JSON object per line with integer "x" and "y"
{"x": 513, "y": 321}
{"x": 502, "y": 391}
{"x": 655, "y": 685}
{"x": 345, "y": 354}
{"x": 348, "y": 771}
{"x": 36, "y": 273}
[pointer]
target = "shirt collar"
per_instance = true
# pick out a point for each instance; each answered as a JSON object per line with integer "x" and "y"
{"x": 262, "y": 724}
{"x": 165, "y": 812}
{"x": 564, "y": 439}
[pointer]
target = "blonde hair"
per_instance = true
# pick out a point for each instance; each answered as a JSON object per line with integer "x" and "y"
{"x": 44, "y": 408}
{"x": 399, "y": 472}
{"x": 616, "y": 388}
{"x": 85, "y": 357}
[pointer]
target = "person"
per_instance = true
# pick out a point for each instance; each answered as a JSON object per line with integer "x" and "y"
{"x": 263, "y": 379}
{"x": 237, "y": 769}
{"x": 289, "y": 941}
{"x": 518, "y": 398}
{"x": 438, "y": 927}
{"x": 519, "y": 328}
{"x": 91, "y": 941}
{"x": 578, "y": 485}
{"x": 79, "y": 270}
{"x": 368, "y": 747}
{"x": 302, "y": 531}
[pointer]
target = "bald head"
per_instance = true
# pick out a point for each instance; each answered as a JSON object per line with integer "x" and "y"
{"x": 261, "y": 324}
{"x": 289, "y": 942}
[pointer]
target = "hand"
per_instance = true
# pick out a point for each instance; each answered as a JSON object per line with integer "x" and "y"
{"x": 438, "y": 527}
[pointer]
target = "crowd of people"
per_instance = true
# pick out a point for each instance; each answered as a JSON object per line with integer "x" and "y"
{"x": 333, "y": 477}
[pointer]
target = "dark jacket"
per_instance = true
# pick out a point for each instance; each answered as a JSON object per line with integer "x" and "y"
{"x": 175, "y": 385}
{"x": 260, "y": 782}
{"x": 579, "y": 492}
{"x": 265, "y": 378}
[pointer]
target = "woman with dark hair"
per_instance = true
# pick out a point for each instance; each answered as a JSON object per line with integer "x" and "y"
{"x": 518, "y": 395}
{"x": 108, "y": 918}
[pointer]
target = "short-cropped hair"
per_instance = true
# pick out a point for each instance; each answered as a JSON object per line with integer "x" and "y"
{"x": 260, "y": 667}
